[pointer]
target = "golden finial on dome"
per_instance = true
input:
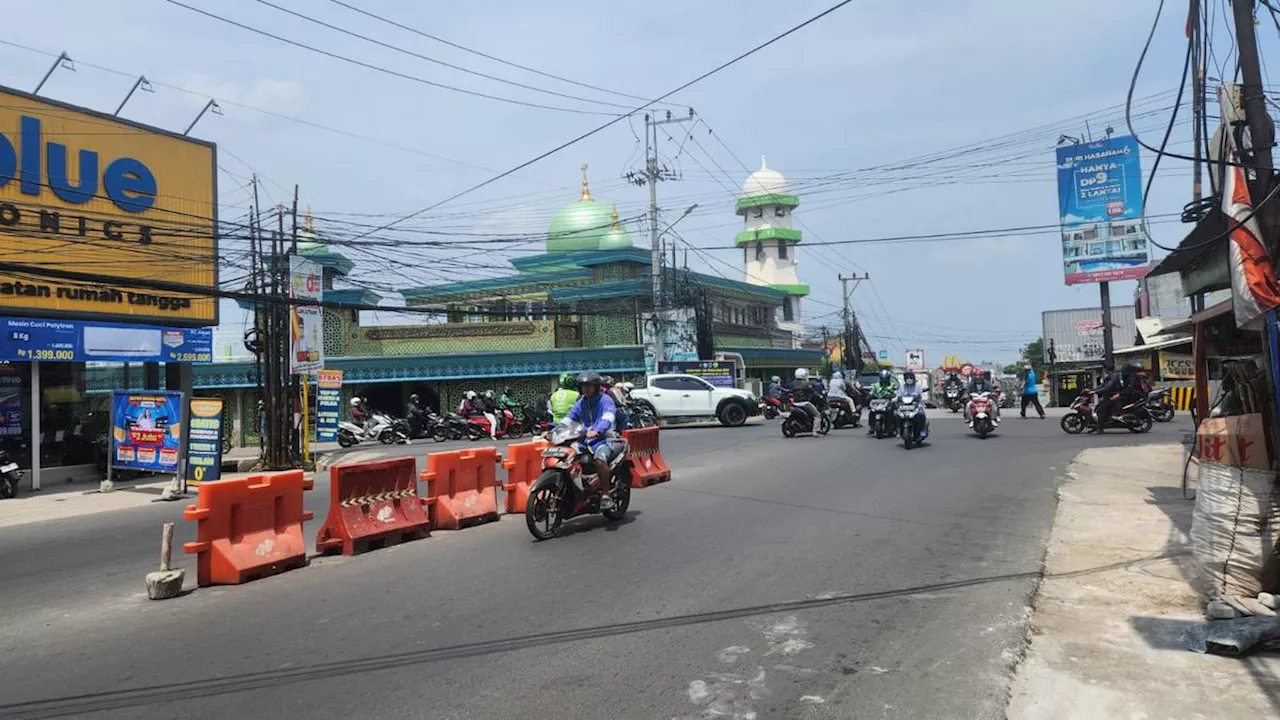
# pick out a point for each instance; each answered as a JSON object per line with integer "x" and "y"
{"x": 306, "y": 223}
{"x": 617, "y": 223}
{"x": 586, "y": 189}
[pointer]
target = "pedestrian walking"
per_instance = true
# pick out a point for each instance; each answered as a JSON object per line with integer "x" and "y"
{"x": 1031, "y": 391}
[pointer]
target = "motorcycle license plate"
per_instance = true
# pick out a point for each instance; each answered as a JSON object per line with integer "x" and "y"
{"x": 8, "y": 468}
{"x": 555, "y": 452}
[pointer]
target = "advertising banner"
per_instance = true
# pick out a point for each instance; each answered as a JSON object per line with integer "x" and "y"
{"x": 10, "y": 405}
{"x": 87, "y": 192}
{"x": 146, "y": 430}
{"x": 306, "y": 323}
{"x": 1177, "y": 366}
{"x": 914, "y": 360}
{"x": 679, "y": 336}
{"x": 26, "y": 339}
{"x": 716, "y": 372}
{"x": 1100, "y": 209}
{"x": 204, "y": 440}
{"x": 328, "y": 404}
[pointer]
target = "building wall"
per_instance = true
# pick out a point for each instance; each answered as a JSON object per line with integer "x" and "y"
{"x": 452, "y": 338}
{"x": 1077, "y": 334}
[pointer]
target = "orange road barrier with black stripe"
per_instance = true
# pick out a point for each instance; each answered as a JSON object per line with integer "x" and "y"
{"x": 462, "y": 487}
{"x": 373, "y": 505}
{"x": 647, "y": 463}
{"x": 249, "y": 527}
{"x": 523, "y": 464}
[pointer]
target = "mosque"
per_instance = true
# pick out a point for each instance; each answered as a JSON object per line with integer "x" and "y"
{"x": 580, "y": 304}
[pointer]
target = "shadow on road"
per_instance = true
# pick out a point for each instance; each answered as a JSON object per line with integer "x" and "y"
{"x": 72, "y": 705}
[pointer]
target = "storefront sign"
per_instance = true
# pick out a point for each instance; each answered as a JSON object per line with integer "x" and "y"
{"x": 26, "y": 339}
{"x": 10, "y": 405}
{"x": 1100, "y": 207}
{"x": 1175, "y": 366}
{"x": 328, "y": 404}
{"x": 204, "y": 440}
{"x": 146, "y": 430}
{"x": 717, "y": 372}
{"x": 306, "y": 325}
{"x": 89, "y": 193}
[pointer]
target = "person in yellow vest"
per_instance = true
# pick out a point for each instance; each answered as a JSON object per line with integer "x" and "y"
{"x": 562, "y": 400}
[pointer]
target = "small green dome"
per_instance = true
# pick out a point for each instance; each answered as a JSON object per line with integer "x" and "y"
{"x": 586, "y": 225}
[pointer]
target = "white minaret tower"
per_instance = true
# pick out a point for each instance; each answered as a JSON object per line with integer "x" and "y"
{"x": 769, "y": 242}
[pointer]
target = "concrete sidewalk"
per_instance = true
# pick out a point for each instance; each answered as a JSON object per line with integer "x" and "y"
{"x": 1107, "y": 634}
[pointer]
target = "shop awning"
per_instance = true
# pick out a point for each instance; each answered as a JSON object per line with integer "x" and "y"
{"x": 1139, "y": 349}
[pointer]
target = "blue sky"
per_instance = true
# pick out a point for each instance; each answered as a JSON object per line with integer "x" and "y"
{"x": 873, "y": 84}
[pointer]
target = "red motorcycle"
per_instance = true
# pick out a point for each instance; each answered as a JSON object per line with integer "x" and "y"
{"x": 568, "y": 468}
{"x": 982, "y": 414}
{"x": 508, "y": 426}
{"x": 772, "y": 407}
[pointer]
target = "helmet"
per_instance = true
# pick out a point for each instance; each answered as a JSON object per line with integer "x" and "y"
{"x": 566, "y": 379}
{"x": 908, "y": 378}
{"x": 471, "y": 394}
{"x": 607, "y": 380}
{"x": 488, "y": 394}
{"x": 837, "y": 375}
{"x": 885, "y": 375}
{"x": 628, "y": 386}
{"x": 590, "y": 377}
{"x": 776, "y": 379}
{"x": 413, "y": 398}
{"x": 355, "y": 402}
{"x": 802, "y": 374}
{"x": 986, "y": 374}
{"x": 506, "y": 390}
{"x": 1131, "y": 368}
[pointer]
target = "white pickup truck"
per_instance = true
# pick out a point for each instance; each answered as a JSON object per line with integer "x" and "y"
{"x": 686, "y": 397}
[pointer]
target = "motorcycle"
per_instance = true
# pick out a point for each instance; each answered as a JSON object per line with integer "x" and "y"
{"x": 772, "y": 407}
{"x": 382, "y": 427}
{"x": 1133, "y": 417}
{"x": 1159, "y": 406}
{"x": 10, "y": 476}
{"x": 508, "y": 426}
{"x": 841, "y": 416}
{"x": 422, "y": 424}
{"x": 797, "y": 422}
{"x": 560, "y": 492}
{"x": 536, "y": 423}
{"x": 982, "y": 414}
{"x": 910, "y": 420}
{"x": 878, "y": 415}
{"x": 452, "y": 427}
{"x": 953, "y": 398}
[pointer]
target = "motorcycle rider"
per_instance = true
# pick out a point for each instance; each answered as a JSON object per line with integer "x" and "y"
{"x": 507, "y": 401}
{"x": 886, "y": 388}
{"x": 982, "y": 383}
{"x": 596, "y": 410}
{"x": 804, "y": 397}
{"x": 837, "y": 392}
{"x": 909, "y": 387}
{"x": 562, "y": 400}
{"x": 621, "y": 395}
{"x": 1111, "y": 386}
{"x": 360, "y": 414}
{"x": 775, "y": 388}
{"x": 473, "y": 406}
{"x": 416, "y": 414}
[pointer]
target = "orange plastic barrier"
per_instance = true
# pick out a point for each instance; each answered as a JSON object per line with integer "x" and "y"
{"x": 462, "y": 487}
{"x": 647, "y": 465}
{"x": 523, "y": 464}
{"x": 371, "y": 505}
{"x": 248, "y": 528}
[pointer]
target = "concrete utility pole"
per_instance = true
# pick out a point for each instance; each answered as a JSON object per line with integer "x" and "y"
{"x": 652, "y": 174}
{"x": 852, "y": 338}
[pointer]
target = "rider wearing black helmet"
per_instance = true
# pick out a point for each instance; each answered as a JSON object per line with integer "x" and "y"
{"x": 596, "y": 410}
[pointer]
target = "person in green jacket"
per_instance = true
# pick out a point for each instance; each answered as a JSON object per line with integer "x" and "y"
{"x": 562, "y": 400}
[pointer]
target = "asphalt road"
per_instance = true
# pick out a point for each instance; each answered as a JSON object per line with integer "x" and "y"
{"x": 836, "y": 577}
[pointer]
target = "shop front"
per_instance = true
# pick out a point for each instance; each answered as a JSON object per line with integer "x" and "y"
{"x": 108, "y": 262}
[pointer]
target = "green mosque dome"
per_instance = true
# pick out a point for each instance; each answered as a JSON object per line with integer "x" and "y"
{"x": 586, "y": 225}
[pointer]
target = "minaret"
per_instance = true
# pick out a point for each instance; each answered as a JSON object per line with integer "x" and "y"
{"x": 768, "y": 242}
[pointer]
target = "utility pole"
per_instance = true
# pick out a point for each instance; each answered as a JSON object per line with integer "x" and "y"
{"x": 1261, "y": 131}
{"x": 653, "y": 173}
{"x": 1197, "y": 122}
{"x": 1108, "y": 342}
{"x": 851, "y": 352}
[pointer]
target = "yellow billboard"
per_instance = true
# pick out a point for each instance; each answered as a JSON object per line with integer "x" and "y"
{"x": 112, "y": 205}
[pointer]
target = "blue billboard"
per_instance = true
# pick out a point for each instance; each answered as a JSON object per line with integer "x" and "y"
{"x": 146, "y": 430}
{"x": 25, "y": 339}
{"x": 1100, "y": 210}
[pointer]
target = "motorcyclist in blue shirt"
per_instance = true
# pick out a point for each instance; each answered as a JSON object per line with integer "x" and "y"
{"x": 596, "y": 410}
